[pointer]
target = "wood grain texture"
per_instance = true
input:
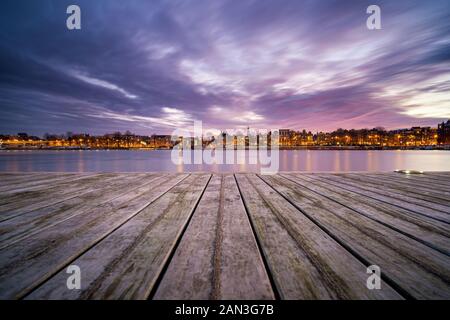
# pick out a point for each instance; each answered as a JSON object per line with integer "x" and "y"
{"x": 28, "y": 263}
{"x": 95, "y": 194}
{"x": 434, "y": 182}
{"x": 306, "y": 262}
{"x": 44, "y": 182}
{"x": 433, "y": 233}
{"x": 364, "y": 182}
{"x": 126, "y": 264}
{"x": 402, "y": 259}
{"x": 418, "y": 189}
{"x": 24, "y": 202}
{"x": 12, "y": 179}
{"x": 224, "y": 236}
{"x": 381, "y": 195}
{"x": 218, "y": 257}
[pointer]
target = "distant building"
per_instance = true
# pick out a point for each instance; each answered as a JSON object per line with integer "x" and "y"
{"x": 284, "y": 136}
{"x": 161, "y": 141}
{"x": 22, "y": 135}
{"x": 443, "y": 132}
{"x": 415, "y": 137}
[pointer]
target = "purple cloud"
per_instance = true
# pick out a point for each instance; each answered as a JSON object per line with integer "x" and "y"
{"x": 152, "y": 66}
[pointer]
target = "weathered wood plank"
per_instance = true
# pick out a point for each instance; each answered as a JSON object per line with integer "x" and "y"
{"x": 11, "y": 179}
{"x": 305, "y": 262}
{"x": 28, "y": 263}
{"x": 397, "y": 192}
{"x": 433, "y": 233}
{"x": 438, "y": 174}
{"x": 126, "y": 264}
{"x": 218, "y": 257}
{"x": 24, "y": 196}
{"x": 23, "y": 203}
{"x": 9, "y": 174}
{"x": 44, "y": 182}
{"x": 415, "y": 187}
{"x": 25, "y": 225}
{"x": 425, "y": 178}
{"x": 383, "y": 195}
{"x": 419, "y": 210}
{"x": 418, "y": 270}
{"x": 418, "y": 180}
{"x": 317, "y": 234}
{"x": 41, "y": 183}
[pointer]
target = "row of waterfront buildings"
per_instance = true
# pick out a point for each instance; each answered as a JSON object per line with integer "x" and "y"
{"x": 412, "y": 137}
{"x": 378, "y": 137}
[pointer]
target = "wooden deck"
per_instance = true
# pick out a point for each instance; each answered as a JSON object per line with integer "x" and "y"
{"x": 230, "y": 236}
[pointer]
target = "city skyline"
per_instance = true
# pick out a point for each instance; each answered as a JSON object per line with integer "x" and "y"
{"x": 271, "y": 64}
{"x": 406, "y": 137}
{"x": 223, "y": 130}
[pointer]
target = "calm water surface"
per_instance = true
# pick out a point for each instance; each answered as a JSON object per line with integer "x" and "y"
{"x": 160, "y": 160}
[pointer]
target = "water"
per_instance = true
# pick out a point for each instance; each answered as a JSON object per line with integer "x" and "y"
{"x": 160, "y": 160}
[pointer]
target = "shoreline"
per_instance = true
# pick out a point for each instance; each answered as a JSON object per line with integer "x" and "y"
{"x": 319, "y": 148}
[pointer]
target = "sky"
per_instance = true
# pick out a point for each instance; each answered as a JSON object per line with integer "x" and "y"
{"x": 155, "y": 66}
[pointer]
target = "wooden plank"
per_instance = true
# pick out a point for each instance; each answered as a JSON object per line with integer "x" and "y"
{"x": 425, "y": 177}
{"x": 28, "y": 263}
{"x": 383, "y": 195}
{"x": 9, "y": 174}
{"x": 400, "y": 189}
{"x": 218, "y": 257}
{"x": 305, "y": 262}
{"x": 430, "y": 213}
{"x": 438, "y": 174}
{"x": 41, "y": 183}
{"x": 24, "y": 196}
{"x": 25, "y": 225}
{"x": 379, "y": 199}
{"x": 416, "y": 269}
{"x": 8, "y": 179}
{"x": 23, "y": 191}
{"x": 415, "y": 187}
{"x": 428, "y": 179}
{"x": 434, "y": 234}
{"x": 396, "y": 192}
{"x": 26, "y": 202}
{"x": 126, "y": 264}
{"x": 444, "y": 174}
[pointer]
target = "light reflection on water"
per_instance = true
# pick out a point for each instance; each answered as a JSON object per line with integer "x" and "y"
{"x": 160, "y": 160}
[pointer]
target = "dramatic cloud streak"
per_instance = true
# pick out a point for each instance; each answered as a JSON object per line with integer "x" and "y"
{"x": 103, "y": 84}
{"x": 151, "y": 66}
